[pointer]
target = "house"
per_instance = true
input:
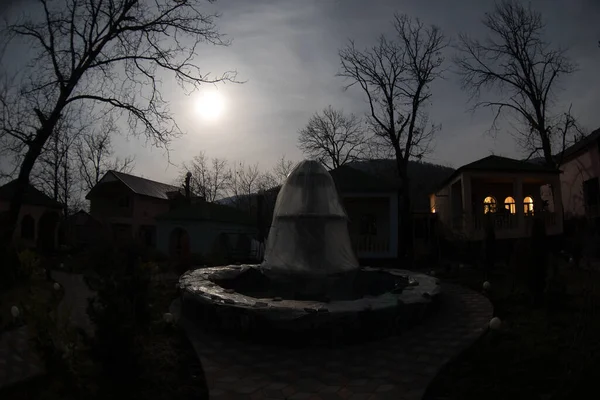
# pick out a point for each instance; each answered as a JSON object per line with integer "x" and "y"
{"x": 127, "y": 205}
{"x": 39, "y": 218}
{"x": 580, "y": 184}
{"x": 509, "y": 192}
{"x": 371, "y": 204}
{"x": 81, "y": 229}
{"x": 204, "y": 229}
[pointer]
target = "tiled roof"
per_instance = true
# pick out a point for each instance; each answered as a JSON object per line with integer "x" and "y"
{"x": 501, "y": 164}
{"x": 145, "y": 187}
{"x": 205, "y": 211}
{"x": 505, "y": 164}
{"x": 32, "y": 197}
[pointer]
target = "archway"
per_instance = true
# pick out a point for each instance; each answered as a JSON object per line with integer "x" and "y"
{"x": 27, "y": 227}
{"x": 47, "y": 225}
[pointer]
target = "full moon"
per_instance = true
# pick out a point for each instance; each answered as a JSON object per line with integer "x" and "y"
{"x": 210, "y": 105}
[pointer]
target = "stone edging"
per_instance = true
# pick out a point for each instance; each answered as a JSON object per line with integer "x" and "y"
{"x": 395, "y": 368}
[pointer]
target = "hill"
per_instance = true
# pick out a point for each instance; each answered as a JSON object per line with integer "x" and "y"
{"x": 424, "y": 177}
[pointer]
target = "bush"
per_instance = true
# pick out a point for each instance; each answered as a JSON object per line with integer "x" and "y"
{"x": 30, "y": 263}
{"x": 538, "y": 266}
{"x": 120, "y": 312}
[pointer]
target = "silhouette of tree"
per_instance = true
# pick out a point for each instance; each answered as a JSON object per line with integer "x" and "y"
{"x": 282, "y": 169}
{"x": 333, "y": 138}
{"x": 95, "y": 154}
{"x": 55, "y": 172}
{"x": 105, "y": 54}
{"x": 522, "y": 68}
{"x": 210, "y": 178}
{"x": 395, "y": 75}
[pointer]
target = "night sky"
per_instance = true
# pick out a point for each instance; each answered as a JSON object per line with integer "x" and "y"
{"x": 287, "y": 50}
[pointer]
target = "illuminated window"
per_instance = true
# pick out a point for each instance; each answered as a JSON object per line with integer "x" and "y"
{"x": 509, "y": 204}
{"x": 489, "y": 205}
{"x": 528, "y": 205}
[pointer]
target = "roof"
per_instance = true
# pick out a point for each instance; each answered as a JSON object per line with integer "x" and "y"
{"x": 32, "y": 196}
{"x": 582, "y": 144}
{"x": 495, "y": 163}
{"x": 143, "y": 186}
{"x": 206, "y": 211}
{"x": 350, "y": 179}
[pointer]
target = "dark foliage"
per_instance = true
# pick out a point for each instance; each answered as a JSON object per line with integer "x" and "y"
{"x": 538, "y": 266}
{"x": 120, "y": 312}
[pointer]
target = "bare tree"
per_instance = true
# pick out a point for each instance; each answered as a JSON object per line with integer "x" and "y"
{"x": 210, "y": 178}
{"x": 95, "y": 154}
{"x": 243, "y": 183}
{"x": 282, "y": 169}
{"x": 49, "y": 171}
{"x": 395, "y": 76}
{"x": 521, "y": 69}
{"x": 107, "y": 54}
{"x": 333, "y": 138}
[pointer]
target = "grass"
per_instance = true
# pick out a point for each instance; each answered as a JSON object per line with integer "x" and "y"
{"x": 540, "y": 352}
{"x": 170, "y": 367}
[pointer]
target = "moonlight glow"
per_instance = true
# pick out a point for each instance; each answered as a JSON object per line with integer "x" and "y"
{"x": 210, "y": 105}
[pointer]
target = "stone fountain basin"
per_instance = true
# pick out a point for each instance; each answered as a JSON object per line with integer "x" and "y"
{"x": 242, "y": 313}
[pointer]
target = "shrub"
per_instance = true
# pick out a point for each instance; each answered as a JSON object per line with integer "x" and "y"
{"x": 30, "y": 263}
{"x": 538, "y": 265}
{"x": 120, "y": 312}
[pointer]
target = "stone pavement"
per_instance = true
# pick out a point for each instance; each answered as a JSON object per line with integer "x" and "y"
{"x": 75, "y": 301}
{"x": 18, "y": 360}
{"x": 393, "y": 368}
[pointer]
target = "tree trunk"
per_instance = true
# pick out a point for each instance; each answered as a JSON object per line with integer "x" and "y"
{"x": 16, "y": 202}
{"x": 405, "y": 226}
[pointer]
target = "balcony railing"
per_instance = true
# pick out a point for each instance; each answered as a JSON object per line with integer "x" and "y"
{"x": 370, "y": 244}
{"x": 510, "y": 221}
{"x": 500, "y": 221}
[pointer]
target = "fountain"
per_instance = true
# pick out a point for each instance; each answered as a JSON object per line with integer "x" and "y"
{"x": 310, "y": 280}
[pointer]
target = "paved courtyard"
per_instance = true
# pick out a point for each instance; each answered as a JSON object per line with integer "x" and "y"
{"x": 18, "y": 359}
{"x": 394, "y": 368}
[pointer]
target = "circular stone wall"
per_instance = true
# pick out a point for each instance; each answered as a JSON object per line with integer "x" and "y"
{"x": 273, "y": 318}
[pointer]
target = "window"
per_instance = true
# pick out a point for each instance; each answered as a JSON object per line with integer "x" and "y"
{"x": 509, "y": 204}
{"x": 591, "y": 191}
{"x": 368, "y": 225}
{"x": 489, "y": 205}
{"x": 528, "y": 205}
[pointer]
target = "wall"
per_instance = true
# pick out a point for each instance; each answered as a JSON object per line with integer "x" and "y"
{"x": 104, "y": 204}
{"x": 36, "y": 212}
{"x": 379, "y": 207}
{"x": 384, "y": 206}
{"x": 500, "y": 191}
{"x": 575, "y": 172}
{"x": 440, "y": 202}
{"x": 202, "y": 233}
{"x": 145, "y": 210}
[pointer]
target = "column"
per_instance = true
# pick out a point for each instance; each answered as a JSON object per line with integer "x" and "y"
{"x": 518, "y": 194}
{"x": 467, "y": 206}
